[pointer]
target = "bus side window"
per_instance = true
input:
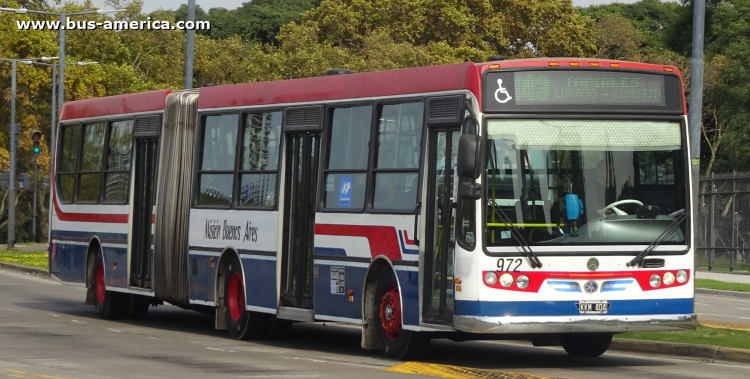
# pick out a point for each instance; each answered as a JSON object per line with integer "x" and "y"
{"x": 261, "y": 134}
{"x": 348, "y": 152}
{"x": 92, "y": 151}
{"x": 119, "y": 156}
{"x": 396, "y": 168}
{"x": 216, "y": 171}
{"x": 66, "y": 172}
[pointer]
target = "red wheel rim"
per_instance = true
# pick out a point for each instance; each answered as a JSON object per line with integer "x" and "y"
{"x": 235, "y": 297}
{"x": 100, "y": 290}
{"x": 390, "y": 313}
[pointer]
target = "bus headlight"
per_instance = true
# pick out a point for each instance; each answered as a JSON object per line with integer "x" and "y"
{"x": 506, "y": 280}
{"x": 655, "y": 280}
{"x": 682, "y": 276}
{"x": 490, "y": 278}
{"x": 668, "y": 278}
{"x": 522, "y": 281}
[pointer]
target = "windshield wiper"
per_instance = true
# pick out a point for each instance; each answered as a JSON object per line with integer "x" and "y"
{"x": 535, "y": 262}
{"x": 667, "y": 232}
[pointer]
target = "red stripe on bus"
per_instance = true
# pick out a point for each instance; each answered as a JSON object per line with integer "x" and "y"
{"x": 383, "y": 240}
{"x": 88, "y": 217}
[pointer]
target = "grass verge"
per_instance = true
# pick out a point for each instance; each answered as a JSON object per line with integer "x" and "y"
{"x": 701, "y": 336}
{"x": 30, "y": 258}
{"x": 717, "y": 285}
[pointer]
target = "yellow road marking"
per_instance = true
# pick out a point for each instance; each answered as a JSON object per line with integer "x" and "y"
{"x": 725, "y": 325}
{"x": 16, "y": 376}
{"x": 16, "y": 371}
{"x": 456, "y": 372}
{"x": 48, "y": 376}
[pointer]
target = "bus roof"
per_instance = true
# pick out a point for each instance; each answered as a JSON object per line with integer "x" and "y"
{"x": 114, "y": 105}
{"x": 460, "y": 76}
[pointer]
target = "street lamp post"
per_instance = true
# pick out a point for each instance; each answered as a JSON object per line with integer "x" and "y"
{"x": 61, "y": 36}
{"x": 14, "y": 131}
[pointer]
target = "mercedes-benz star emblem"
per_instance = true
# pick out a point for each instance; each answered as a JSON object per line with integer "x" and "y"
{"x": 593, "y": 264}
{"x": 590, "y": 286}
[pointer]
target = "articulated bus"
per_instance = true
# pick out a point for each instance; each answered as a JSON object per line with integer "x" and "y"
{"x": 543, "y": 199}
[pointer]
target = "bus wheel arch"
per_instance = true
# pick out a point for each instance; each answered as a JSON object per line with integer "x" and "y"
{"x": 109, "y": 305}
{"x": 92, "y": 253}
{"x": 222, "y": 269}
{"x": 369, "y": 310}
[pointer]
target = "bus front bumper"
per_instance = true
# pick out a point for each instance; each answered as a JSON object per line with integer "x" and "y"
{"x": 574, "y": 324}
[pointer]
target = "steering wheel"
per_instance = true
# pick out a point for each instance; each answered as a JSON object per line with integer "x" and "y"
{"x": 617, "y": 211}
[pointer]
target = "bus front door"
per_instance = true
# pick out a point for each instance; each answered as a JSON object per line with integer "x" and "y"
{"x": 441, "y": 189}
{"x": 302, "y": 152}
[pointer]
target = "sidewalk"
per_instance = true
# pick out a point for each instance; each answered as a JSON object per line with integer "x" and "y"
{"x": 723, "y": 277}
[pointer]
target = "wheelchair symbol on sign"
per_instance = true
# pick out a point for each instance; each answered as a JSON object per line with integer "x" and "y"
{"x": 501, "y": 90}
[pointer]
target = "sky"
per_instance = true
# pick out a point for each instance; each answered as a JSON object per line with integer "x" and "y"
{"x": 152, "y": 5}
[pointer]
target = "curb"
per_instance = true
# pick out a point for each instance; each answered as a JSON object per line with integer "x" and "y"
{"x": 24, "y": 268}
{"x": 737, "y": 294}
{"x": 713, "y": 353}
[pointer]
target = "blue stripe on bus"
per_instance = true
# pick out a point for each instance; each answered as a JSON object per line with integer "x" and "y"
{"x": 568, "y": 308}
{"x": 330, "y": 251}
{"x": 78, "y": 235}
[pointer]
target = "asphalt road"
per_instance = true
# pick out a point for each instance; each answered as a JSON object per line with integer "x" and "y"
{"x": 719, "y": 308}
{"x": 47, "y": 332}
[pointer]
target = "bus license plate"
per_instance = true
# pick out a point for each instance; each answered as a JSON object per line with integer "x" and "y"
{"x": 600, "y": 307}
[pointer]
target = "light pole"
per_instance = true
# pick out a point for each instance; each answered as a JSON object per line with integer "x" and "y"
{"x": 14, "y": 131}
{"x": 53, "y": 115}
{"x": 190, "y": 42}
{"x": 61, "y": 39}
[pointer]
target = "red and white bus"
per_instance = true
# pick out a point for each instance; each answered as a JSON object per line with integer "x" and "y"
{"x": 542, "y": 199}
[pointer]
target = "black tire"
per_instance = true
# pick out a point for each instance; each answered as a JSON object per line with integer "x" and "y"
{"x": 242, "y": 324}
{"x": 138, "y": 307}
{"x": 588, "y": 345}
{"x": 109, "y": 305}
{"x": 395, "y": 342}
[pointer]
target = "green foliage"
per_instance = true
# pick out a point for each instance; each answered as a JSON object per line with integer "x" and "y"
{"x": 701, "y": 336}
{"x": 718, "y": 285}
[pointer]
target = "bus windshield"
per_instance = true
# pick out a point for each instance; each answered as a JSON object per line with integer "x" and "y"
{"x": 584, "y": 181}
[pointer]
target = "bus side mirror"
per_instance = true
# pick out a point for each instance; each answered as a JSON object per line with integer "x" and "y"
{"x": 468, "y": 165}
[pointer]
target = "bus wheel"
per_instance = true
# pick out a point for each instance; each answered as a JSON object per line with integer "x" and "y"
{"x": 109, "y": 305}
{"x": 395, "y": 342}
{"x": 588, "y": 345}
{"x": 242, "y": 324}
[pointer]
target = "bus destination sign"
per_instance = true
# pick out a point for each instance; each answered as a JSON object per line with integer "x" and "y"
{"x": 577, "y": 90}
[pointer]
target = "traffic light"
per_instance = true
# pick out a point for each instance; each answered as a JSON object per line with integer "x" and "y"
{"x": 36, "y": 136}
{"x": 24, "y": 181}
{"x": 4, "y": 179}
{"x": 45, "y": 183}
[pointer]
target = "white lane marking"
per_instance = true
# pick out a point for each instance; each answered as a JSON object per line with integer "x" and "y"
{"x": 220, "y": 349}
{"x": 744, "y": 309}
{"x": 115, "y": 330}
{"x": 77, "y": 322}
{"x": 53, "y": 315}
